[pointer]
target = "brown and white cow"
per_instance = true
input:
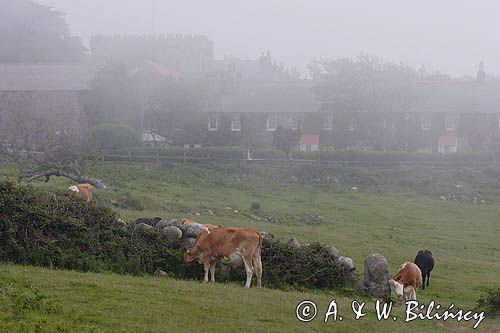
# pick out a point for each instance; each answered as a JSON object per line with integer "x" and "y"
{"x": 206, "y": 225}
{"x": 231, "y": 246}
{"x": 406, "y": 281}
{"x": 82, "y": 190}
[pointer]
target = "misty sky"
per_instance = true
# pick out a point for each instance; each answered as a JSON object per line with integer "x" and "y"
{"x": 451, "y": 36}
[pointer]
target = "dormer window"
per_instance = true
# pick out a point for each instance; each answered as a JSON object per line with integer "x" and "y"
{"x": 272, "y": 123}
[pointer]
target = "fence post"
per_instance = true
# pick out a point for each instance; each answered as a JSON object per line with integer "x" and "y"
{"x": 185, "y": 158}
{"x": 129, "y": 157}
{"x": 158, "y": 156}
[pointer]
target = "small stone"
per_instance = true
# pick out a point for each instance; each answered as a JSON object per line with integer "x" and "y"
{"x": 255, "y": 218}
{"x": 293, "y": 242}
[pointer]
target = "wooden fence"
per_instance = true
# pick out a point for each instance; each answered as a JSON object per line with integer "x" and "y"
{"x": 157, "y": 156}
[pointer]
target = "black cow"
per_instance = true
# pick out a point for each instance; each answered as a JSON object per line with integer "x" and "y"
{"x": 149, "y": 221}
{"x": 425, "y": 262}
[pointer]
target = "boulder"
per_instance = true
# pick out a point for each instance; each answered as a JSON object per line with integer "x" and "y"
{"x": 160, "y": 273}
{"x": 174, "y": 223}
{"x": 255, "y": 218}
{"x": 266, "y": 236}
{"x": 161, "y": 224}
{"x": 293, "y": 242}
{"x": 187, "y": 243}
{"x": 376, "y": 277}
{"x": 347, "y": 262}
{"x": 193, "y": 229}
{"x": 171, "y": 233}
{"x": 144, "y": 227}
{"x": 311, "y": 218}
{"x": 332, "y": 253}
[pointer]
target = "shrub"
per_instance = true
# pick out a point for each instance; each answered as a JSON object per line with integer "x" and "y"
{"x": 62, "y": 231}
{"x": 255, "y": 206}
{"x": 490, "y": 303}
{"x": 114, "y": 136}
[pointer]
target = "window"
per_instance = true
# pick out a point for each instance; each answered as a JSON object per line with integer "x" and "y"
{"x": 426, "y": 123}
{"x": 294, "y": 123}
{"x": 352, "y": 125}
{"x": 272, "y": 123}
{"x": 236, "y": 124}
{"x": 328, "y": 125}
{"x": 449, "y": 123}
{"x": 388, "y": 124}
{"x": 212, "y": 123}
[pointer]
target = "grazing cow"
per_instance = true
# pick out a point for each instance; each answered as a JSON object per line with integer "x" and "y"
{"x": 206, "y": 225}
{"x": 425, "y": 262}
{"x": 82, "y": 190}
{"x": 231, "y": 246}
{"x": 406, "y": 281}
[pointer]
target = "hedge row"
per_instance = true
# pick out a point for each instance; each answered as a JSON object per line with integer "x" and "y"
{"x": 60, "y": 230}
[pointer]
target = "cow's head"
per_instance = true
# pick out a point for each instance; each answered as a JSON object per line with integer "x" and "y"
{"x": 397, "y": 288}
{"x": 189, "y": 257}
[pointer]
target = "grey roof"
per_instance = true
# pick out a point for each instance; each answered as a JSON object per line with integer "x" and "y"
{"x": 453, "y": 96}
{"x": 45, "y": 77}
{"x": 271, "y": 96}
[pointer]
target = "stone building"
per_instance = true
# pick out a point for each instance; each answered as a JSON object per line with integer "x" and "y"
{"x": 32, "y": 94}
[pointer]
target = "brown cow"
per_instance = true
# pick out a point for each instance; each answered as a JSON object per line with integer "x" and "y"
{"x": 406, "y": 281}
{"x": 82, "y": 190}
{"x": 231, "y": 246}
{"x": 206, "y": 225}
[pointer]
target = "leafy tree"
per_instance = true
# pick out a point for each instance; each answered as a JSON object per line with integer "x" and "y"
{"x": 365, "y": 83}
{"x": 30, "y": 32}
{"x": 285, "y": 139}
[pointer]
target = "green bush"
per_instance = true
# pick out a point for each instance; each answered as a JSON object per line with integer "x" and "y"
{"x": 490, "y": 303}
{"x": 61, "y": 230}
{"x": 255, "y": 206}
{"x": 114, "y": 136}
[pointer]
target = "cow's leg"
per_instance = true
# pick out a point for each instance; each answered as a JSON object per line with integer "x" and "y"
{"x": 423, "y": 280}
{"x": 414, "y": 294}
{"x": 257, "y": 265}
{"x": 248, "y": 270}
{"x": 212, "y": 271}
{"x": 206, "y": 266}
{"x": 428, "y": 277}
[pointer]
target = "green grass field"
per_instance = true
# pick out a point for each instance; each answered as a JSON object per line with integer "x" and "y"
{"x": 381, "y": 216}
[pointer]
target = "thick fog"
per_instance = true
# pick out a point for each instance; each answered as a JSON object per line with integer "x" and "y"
{"x": 451, "y": 36}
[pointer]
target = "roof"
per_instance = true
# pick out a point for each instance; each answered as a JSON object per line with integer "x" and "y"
{"x": 149, "y": 67}
{"x": 270, "y": 96}
{"x": 309, "y": 139}
{"x": 448, "y": 140}
{"x": 457, "y": 96}
{"x": 45, "y": 77}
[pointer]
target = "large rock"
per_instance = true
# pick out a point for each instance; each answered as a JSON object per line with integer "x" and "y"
{"x": 144, "y": 227}
{"x": 266, "y": 236}
{"x": 187, "y": 243}
{"x": 332, "y": 252}
{"x": 161, "y": 224}
{"x": 175, "y": 223}
{"x": 311, "y": 218}
{"x": 376, "y": 280}
{"x": 171, "y": 233}
{"x": 193, "y": 229}
{"x": 293, "y": 242}
{"x": 347, "y": 262}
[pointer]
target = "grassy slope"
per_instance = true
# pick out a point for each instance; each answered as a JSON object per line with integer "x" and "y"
{"x": 389, "y": 220}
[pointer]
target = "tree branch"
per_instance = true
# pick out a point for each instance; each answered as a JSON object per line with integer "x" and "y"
{"x": 32, "y": 175}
